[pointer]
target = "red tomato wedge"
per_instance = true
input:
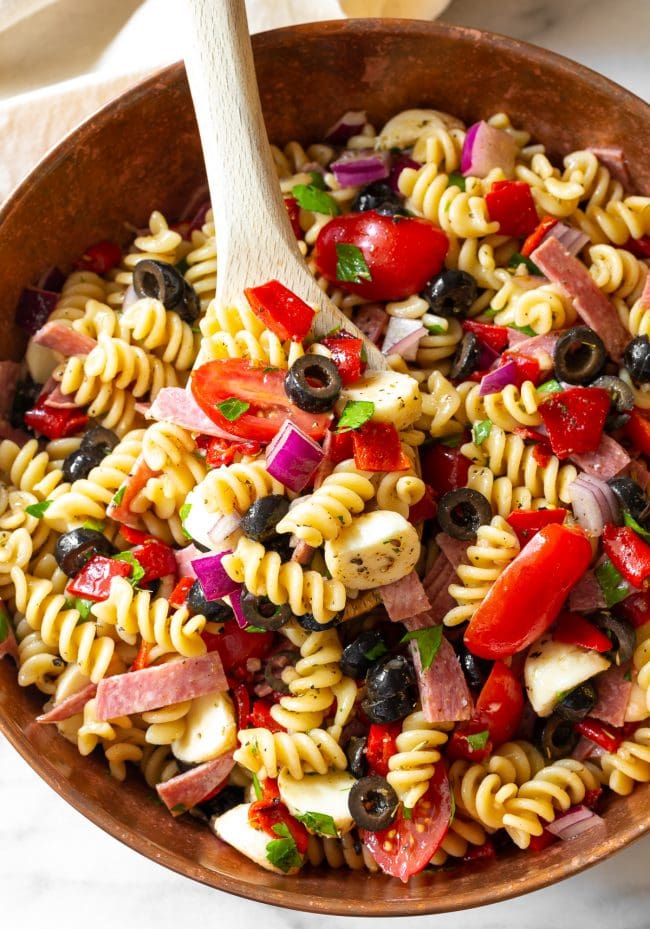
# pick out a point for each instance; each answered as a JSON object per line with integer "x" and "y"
{"x": 263, "y": 389}
{"x": 406, "y": 847}
{"x": 574, "y": 629}
{"x": 501, "y": 703}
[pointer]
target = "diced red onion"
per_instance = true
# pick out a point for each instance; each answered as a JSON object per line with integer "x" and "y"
{"x": 400, "y": 163}
{"x": 573, "y": 240}
{"x": 213, "y": 577}
{"x": 129, "y": 297}
{"x": 235, "y": 603}
{"x": 351, "y": 123}
{"x": 356, "y": 169}
{"x": 496, "y": 380}
{"x": 34, "y": 307}
{"x": 590, "y": 506}
{"x": 610, "y": 502}
{"x": 198, "y": 220}
{"x": 53, "y": 280}
{"x": 485, "y": 148}
{"x": 402, "y": 337}
{"x": 487, "y": 356}
{"x": 223, "y": 529}
{"x": 292, "y": 457}
{"x": 574, "y": 822}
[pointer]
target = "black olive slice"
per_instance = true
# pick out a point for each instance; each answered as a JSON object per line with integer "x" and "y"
{"x": 225, "y": 800}
{"x": 162, "y": 281}
{"x": 620, "y": 632}
{"x": 476, "y": 669}
{"x": 631, "y": 497}
{"x": 259, "y": 611}
{"x": 391, "y": 689}
{"x": 379, "y": 196}
{"x": 309, "y": 622}
{"x": 355, "y": 752}
{"x": 579, "y": 356}
{"x": 620, "y": 397}
{"x": 578, "y": 702}
{"x": 637, "y": 359}
{"x": 313, "y": 383}
{"x": 74, "y": 548}
{"x": 559, "y": 738}
{"x": 467, "y": 357}
{"x": 79, "y": 464}
{"x": 215, "y": 611}
{"x": 462, "y": 512}
{"x": 99, "y": 436}
{"x": 362, "y": 653}
{"x": 373, "y": 803}
{"x": 261, "y": 518}
{"x": 452, "y": 293}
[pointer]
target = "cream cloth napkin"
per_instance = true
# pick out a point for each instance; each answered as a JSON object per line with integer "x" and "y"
{"x": 60, "y": 60}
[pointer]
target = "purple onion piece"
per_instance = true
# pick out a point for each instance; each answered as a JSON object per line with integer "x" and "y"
{"x": 573, "y": 240}
{"x": 292, "y": 457}
{"x": 213, "y": 577}
{"x": 344, "y": 128}
{"x": 34, "y": 307}
{"x": 400, "y": 163}
{"x": 53, "y": 280}
{"x": 574, "y": 822}
{"x": 402, "y": 337}
{"x": 356, "y": 169}
{"x": 496, "y": 380}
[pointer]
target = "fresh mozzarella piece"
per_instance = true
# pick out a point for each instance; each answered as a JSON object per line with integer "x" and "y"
{"x": 324, "y": 794}
{"x": 396, "y": 397}
{"x": 377, "y": 548}
{"x": 233, "y": 827}
{"x": 210, "y": 729}
{"x": 637, "y": 706}
{"x": 552, "y": 668}
{"x": 403, "y": 130}
{"x": 41, "y": 361}
{"x": 212, "y": 530}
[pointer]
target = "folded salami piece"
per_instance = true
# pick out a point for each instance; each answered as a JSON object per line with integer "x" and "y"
{"x": 189, "y": 788}
{"x": 69, "y": 705}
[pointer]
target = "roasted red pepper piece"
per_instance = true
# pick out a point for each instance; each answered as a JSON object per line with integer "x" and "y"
{"x": 524, "y": 602}
{"x": 55, "y": 423}
{"x": 99, "y": 257}
{"x": 605, "y": 736}
{"x": 93, "y": 582}
{"x": 236, "y": 646}
{"x": 536, "y": 236}
{"x": 135, "y": 536}
{"x": 242, "y": 703}
{"x": 293, "y": 210}
{"x": 574, "y": 419}
{"x": 260, "y": 717}
{"x": 574, "y": 629}
{"x": 157, "y": 559}
{"x": 141, "y": 660}
{"x": 347, "y": 355}
{"x": 281, "y": 311}
{"x": 628, "y": 553}
{"x": 266, "y": 813}
{"x": 338, "y": 446}
{"x": 527, "y": 368}
{"x": 381, "y": 746}
{"x": 494, "y": 336}
{"x": 511, "y": 204}
{"x": 592, "y": 797}
{"x": 461, "y": 744}
{"x": 501, "y": 703}
{"x": 480, "y": 852}
{"x": 426, "y": 508}
{"x": 539, "y": 842}
{"x": 180, "y": 592}
{"x": 527, "y": 523}
{"x": 637, "y": 429}
{"x": 377, "y": 448}
{"x": 223, "y": 452}
{"x": 444, "y": 468}
{"x": 639, "y": 247}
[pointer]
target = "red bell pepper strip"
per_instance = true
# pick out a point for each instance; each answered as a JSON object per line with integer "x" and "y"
{"x": 93, "y": 582}
{"x": 157, "y": 559}
{"x": 637, "y": 429}
{"x": 293, "y": 210}
{"x": 628, "y": 553}
{"x": 260, "y": 717}
{"x": 55, "y": 423}
{"x": 426, "y": 508}
{"x": 527, "y": 523}
{"x": 536, "y": 236}
{"x": 281, "y": 311}
{"x": 223, "y": 452}
{"x": 501, "y": 703}
{"x": 528, "y": 369}
{"x": 377, "y": 448}
{"x": 381, "y": 746}
{"x": 141, "y": 660}
{"x": 636, "y": 609}
{"x": 511, "y": 204}
{"x": 605, "y": 736}
{"x": 242, "y": 703}
{"x": 575, "y": 419}
{"x": 347, "y": 355}
{"x": 338, "y": 446}
{"x": 180, "y": 592}
{"x": 574, "y": 629}
{"x": 494, "y": 336}
{"x": 99, "y": 257}
{"x": 539, "y": 842}
{"x": 236, "y": 646}
{"x": 526, "y": 598}
{"x": 639, "y": 247}
{"x": 592, "y": 797}
{"x": 444, "y": 468}
{"x": 480, "y": 852}
{"x": 135, "y": 536}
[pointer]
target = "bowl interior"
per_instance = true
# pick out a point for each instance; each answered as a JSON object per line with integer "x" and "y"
{"x": 141, "y": 153}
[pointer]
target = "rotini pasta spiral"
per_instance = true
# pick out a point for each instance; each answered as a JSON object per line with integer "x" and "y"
{"x": 39, "y": 664}
{"x": 299, "y": 752}
{"x": 113, "y": 406}
{"x": 162, "y": 332}
{"x": 236, "y": 487}
{"x": 202, "y": 263}
{"x": 167, "y": 724}
{"x": 411, "y": 768}
{"x": 461, "y": 834}
{"x": 508, "y": 408}
{"x": 630, "y": 764}
{"x": 29, "y": 469}
{"x": 348, "y": 851}
{"x": 115, "y": 361}
{"x": 541, "y": 308}
{"x": 429, "y": 194}
{"x": 311, "y": 682}
{"x": 617, "y": 272}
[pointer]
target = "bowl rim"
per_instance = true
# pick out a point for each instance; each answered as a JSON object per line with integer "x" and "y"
{"x": 290, "y": 897}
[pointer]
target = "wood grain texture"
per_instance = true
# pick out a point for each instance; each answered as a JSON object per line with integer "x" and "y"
{"x": 254, "y": 236}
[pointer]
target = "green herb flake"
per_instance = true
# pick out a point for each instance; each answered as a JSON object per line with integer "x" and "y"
{"x": 255, "y": 629}
{"x": 82, "y": 606}
{"x": 490, "y": 313}
{"x": 184, "y": 512}
{"x": 407, "y": 812}
{"x": 317, "y": 180}
{"x": 550, "y": 387}
{"x": 5, "y": 625}
{"x": 269, "y": 370}
{"x": 628, "y": 675}
{"x": 315, "y": 199}
{"x": 525, "y": 330}
{"x": 179, "y": 808}
{"x": 612, "y": 583}
{"x": 435, "y": 328}
{"x": 561, "y": 695}
{"x": 481, "y": 431}
{"x": 453, "y": 441}
{"x": 456, "y": 180}
{"x": 519, "y": 259}
{"x": 38, "y": 509}
{"x": 117, "y": 497}
{"x": 355, "y": 414}
{"x": 350, "y": 264}
{"x": 478, "y": 740}
{"x": 283, "y": 852}
{"x": 429, "y": 641}
{"x": 257, "y": 787}
{"x": 320, "y": 823}
{"x": 137, "y": 571}
{"x": 95, "y": 524}
{"x": 376, "y": 651}
{"x": 232, "y": 408}
{"x": 630, "y": 521}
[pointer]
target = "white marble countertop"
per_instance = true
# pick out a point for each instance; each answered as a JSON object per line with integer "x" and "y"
{"x": 56, "y": 868}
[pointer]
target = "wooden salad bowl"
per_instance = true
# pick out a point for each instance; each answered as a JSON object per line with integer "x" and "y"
{"x": 142, "y": 152}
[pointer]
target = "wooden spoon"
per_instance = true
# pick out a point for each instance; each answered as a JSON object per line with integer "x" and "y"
{"x": 255, "y": 240}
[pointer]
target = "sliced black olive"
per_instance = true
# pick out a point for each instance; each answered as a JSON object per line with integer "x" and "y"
{"x": 216, "y": 611}
{"x": 621, "y": 399}
{"x": 620, "y": 632}
{"x": 559, "y": 738}
{"x": 578, "y": 702}
{"x": 162, "y": 281}
{"x": 355, "y": 752}
{"x": 280, "y": 543}
{"x": 637, "y": 359}
{"x": 579, "y": 356}
{"x": 467, "y": 357}
{"x": 362, "y": 653}
{"x": 631, "y": 497}
{"x": 373, "y": 803}
{"x": 313, "y": 383}
{"x": 378, "y": 196}
{"x": 309, "y": 622}
{"x": 74, "y": 548}
{"x": 99, "y": 436}
{"x": 25, "y": 396}
{"x": 261, "y": 518}
{"x": 462, "y": 512}
{"x": 275, "y": 665}
{"x": 451, "y": 293}
{"x": 259, "y": 611}
{"x": 225, "y": 800}
{"x": 79, "y": 464}
{"x": 476, "y": 670}
{"x": 391, "y": 690}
